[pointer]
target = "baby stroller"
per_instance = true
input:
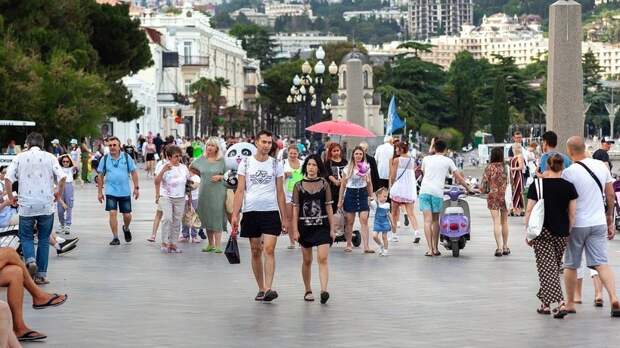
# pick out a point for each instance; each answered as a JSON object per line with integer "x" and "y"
{"x": 339, "y": 221}
{"x": 617, "y": 202}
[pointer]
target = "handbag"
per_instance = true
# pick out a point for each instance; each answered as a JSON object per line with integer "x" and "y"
{"x": 232, "y": 249}
{"x": 190, "y": 217}
{"x": 508, "y": 194}
{"x": 537, "y": 216}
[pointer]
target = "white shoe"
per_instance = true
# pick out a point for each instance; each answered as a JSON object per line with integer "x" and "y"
{"x": 416, "y": 237}
{"x": 379, "y": 250}
{"x": 67, "y": 229}
{"x": 385, "y": 252}
{"x": 395, "y": 238}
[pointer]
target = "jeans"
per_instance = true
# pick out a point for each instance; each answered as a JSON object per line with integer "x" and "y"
{"x": 26, "y": 238}
{"x": 64, "y": 215}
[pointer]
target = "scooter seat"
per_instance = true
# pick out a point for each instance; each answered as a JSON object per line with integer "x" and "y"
{"x": 454, "y": 210}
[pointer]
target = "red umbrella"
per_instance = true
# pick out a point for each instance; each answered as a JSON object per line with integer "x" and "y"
{"x": 343, "y": 128}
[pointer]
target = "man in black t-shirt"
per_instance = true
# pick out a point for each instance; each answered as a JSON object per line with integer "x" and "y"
{"x": 601, "y": 154}
{"x": 130, "y": 150}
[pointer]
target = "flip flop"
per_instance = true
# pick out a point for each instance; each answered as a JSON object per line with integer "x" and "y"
{"x": 151, "y": 239}
{"x": 369, "y": 251}
{"x": 428, "y": 253}
{"x": 348, "y": 250}
{"x": 598, "y": 302}
{"x": 308, "y": 296}
{"x": 437, "y": 254}
{"x": 31, "y": 336}
{"x": 51, "y": 303}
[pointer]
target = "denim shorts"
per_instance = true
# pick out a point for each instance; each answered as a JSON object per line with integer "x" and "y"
{"x": 122, "y": 204}
{"x": 593, "y": 240}
{"x": 430, "y": 203}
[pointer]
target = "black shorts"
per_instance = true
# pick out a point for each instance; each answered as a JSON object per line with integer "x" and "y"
{"x": 122, "y": 204}
{"x": 256, "y": 223}
{"x": 150, "y": 157}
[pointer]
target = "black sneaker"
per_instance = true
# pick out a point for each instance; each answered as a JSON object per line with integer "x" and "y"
{"x": 127, "y": 234}
{"x": 115, "y": 241}
{"x": 202, "y": 234}
{"x": 68, "y": 243}
{"x": 270, "y": 295}
{"x": 66, "y": 249}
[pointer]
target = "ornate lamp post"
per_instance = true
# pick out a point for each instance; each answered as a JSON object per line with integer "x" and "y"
{"x": 306, "y": 92}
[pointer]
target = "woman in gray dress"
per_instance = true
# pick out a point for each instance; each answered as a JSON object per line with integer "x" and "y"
{"x": 212, "y": 198}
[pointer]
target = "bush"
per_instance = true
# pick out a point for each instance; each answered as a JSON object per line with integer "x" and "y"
{"x": 428, "y": 130}
{"x": 452, "y": 137}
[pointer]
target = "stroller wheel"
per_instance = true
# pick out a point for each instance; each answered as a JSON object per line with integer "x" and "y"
{"x": 357, "y": 238}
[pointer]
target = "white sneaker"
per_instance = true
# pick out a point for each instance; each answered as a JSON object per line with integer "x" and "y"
{"x": 395, "y": 238}
{"x": 385, "y": 252}
{"x": 379, "y": 250}
{"x": 416, "y": 237}
{"x": 67, "y": 229}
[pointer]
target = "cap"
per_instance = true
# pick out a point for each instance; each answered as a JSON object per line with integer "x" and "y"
{"x": 608, "y": 140}
{"x": 55, "y": 141}
{"x": 73, "y": 141}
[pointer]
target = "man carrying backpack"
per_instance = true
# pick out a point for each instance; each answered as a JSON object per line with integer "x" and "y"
{"x": 114, "y": 169}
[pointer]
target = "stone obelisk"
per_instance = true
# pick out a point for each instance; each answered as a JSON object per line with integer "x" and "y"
{"x": 564, "y": 72}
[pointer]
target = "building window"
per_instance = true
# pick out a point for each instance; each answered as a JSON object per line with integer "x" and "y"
{"x": 187, "y": 51}
{"x": 365, "y": 79}
{"x": 344, "y": 79}
{"x": 187, "y": 85}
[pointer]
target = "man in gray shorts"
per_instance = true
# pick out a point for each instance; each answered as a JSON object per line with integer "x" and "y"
{"x": 593, "y": 224}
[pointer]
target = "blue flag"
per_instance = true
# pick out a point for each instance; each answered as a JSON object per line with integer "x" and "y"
{"x": 394, "y": 121}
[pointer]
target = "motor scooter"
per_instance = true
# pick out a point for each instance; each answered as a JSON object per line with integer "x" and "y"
{"x": 454, "y": 221}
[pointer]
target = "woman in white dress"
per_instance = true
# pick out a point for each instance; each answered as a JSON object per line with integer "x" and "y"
{"x": 403, "y": 188}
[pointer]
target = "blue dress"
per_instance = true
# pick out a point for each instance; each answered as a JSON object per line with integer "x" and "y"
{"x": 382, "y": 222}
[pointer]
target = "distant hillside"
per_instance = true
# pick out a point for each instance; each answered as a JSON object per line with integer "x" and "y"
{"x": 520, "y": 7}
{"x": 603, "y": 24}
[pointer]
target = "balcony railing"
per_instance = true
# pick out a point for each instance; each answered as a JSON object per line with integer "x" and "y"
{"x": 194, "y": 60}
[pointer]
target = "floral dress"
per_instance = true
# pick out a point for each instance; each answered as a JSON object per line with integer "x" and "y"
{"x": 494, "y": 183}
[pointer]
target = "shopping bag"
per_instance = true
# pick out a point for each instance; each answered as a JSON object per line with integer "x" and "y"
{"x": 232, "y": 249}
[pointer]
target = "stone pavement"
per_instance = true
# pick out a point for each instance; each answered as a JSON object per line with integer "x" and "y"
{"x": 134, "y": 296}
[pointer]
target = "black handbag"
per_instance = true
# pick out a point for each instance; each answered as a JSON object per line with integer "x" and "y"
{"x": 232, "y": 250}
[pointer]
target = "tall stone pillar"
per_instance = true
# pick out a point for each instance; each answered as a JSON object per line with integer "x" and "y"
{"x": 564, "y": 72}
{"x": 355, "y": 93}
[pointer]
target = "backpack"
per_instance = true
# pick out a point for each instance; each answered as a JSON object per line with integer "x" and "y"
{"x": 537, "y": 216}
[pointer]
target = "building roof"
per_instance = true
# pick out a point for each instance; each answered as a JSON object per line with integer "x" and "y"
{"x": 355, "y": 54}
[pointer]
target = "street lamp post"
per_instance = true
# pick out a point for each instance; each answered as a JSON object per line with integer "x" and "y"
{"x": 612, "y": 108}
{"x": 306, "y": 92}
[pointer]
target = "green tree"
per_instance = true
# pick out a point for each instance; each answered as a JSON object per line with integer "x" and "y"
{"x": 207, "y": 96}
{"x": 463, "y": 84}
{"x": 500, "y": 117}
{"x": 417, "y": 47}
{"x": 256, "y": 41}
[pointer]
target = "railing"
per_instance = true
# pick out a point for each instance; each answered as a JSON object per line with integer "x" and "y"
{"x": 194, "y": 60}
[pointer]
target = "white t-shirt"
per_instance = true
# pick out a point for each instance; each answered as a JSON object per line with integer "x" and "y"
{"x": 195, "y": 193}
{"x": 384, "y": 155}
{"x": 160, "y": 164}
{"x": 173, "y": 181}
{"x": 68, "y": 173}
{"x": 590, "y": 205}
{"x": 436, "y": 168}
{"x": 260, "y": 183}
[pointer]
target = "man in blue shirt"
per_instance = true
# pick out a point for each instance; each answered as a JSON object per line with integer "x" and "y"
{"x": 549, "y": 142}
{"x": 114, "y": 169}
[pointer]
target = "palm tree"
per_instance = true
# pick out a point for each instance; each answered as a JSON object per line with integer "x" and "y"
{"x": 206, "y": 93}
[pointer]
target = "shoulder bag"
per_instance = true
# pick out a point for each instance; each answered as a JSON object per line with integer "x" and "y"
{"x": 598, "y": 182}
{"x": 537, "y": 216}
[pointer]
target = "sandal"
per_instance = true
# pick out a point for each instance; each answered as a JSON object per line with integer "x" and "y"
{"x": 151, "y": 239}
{"x": 498, "y": 252}
{"x": 51, "y": 302}
{"x": 40, "y": 280}
{"x": 437, "y": 253}
{"x": 615, "y": 309}
{"x": 324, "y": 297}
{"x": 598, "y": 302}
{"x": 543, "y": 310}
{"x": 259, "y": 296}
{"x": 506, "y": 251}
{"x": 31, "y": 336}
{"x": 348, "y": 250}
{"x": 308, "y": 296}
{"x": 560, "y": 312}
{"x": 369, "y": 251}
{"x": 428, "y": 253}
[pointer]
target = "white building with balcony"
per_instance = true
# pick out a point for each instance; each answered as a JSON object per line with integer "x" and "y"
{"x": 288, "y": 45}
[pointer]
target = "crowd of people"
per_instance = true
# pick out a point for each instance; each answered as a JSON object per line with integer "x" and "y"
{"x": 311, "y": 192}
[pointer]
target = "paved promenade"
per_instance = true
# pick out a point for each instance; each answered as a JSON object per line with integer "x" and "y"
{"x": 134, "y": 296}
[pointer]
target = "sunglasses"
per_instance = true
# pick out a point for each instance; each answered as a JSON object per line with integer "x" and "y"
{"x": 66, "y": 161}
{"x": 112, "y": 145}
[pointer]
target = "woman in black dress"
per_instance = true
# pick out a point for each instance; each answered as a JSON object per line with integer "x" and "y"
{"x": 313, "y": 222}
